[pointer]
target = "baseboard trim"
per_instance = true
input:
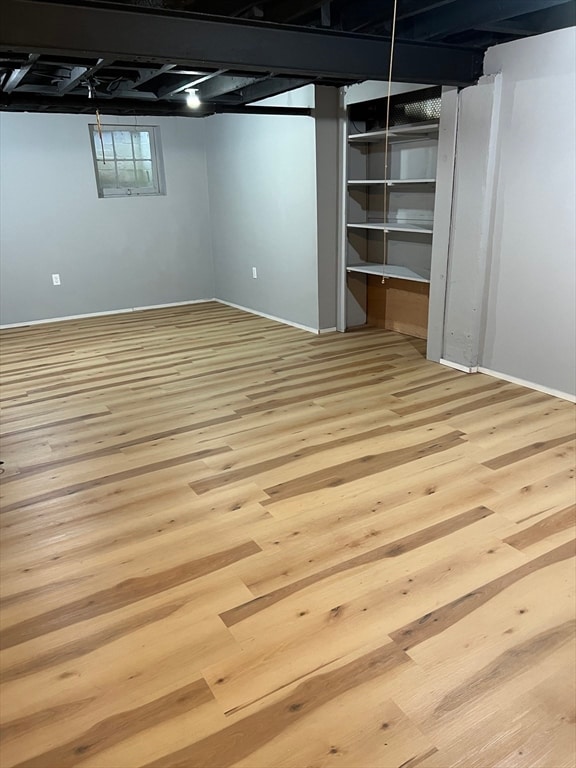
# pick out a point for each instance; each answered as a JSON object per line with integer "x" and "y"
{"x": 173, "y": 304}
{"x": 300, "y": 326}
{"x": 528, "y": 384}
{"x": 271, "y": 317}
{"x": 458, "y": 367}
{"x": 103, "y": 314}
{"x": 328, "y": 330}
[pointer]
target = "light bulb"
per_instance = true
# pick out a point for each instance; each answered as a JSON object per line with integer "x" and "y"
{"x": 192, "y": 98}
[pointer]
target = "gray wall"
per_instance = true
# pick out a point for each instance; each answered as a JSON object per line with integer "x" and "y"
{"x": 110, "y": 253}
{"x": 327, "y": 113}
{"x": 261, "y": 173}
{"x": 511, "y": 280}
{"x": 469, "y": 238}
{"x": 531, "y": 314}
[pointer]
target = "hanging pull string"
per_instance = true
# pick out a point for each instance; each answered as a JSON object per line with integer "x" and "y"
{"x": 98, "y": 121}
{"x": 392, "y": 41}
{"x": 99, "y": 126}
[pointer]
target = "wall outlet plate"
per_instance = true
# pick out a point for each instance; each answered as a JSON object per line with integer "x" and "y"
{"x": 254, "y": 273}
{"x": 55, "y": 279}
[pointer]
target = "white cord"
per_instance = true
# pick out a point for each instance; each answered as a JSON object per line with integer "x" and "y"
{"x": 392, "y": 41}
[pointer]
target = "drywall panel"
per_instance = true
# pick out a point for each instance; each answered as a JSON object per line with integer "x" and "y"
{"x": 530, "y": 330}
{"x": 110, "y": 253}
{"x": 442, "y": 220}
{"x": 472, "y": 201}
{"x": 326, "y": 115}
{"x": 262, "y": 181}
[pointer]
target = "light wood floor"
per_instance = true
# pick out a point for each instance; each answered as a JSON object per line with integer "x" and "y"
{"x": 227, "y": 542}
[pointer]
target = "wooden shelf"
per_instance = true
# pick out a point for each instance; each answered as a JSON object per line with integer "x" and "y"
{"x": 388, "y": 270}
{"x": 394, "y": 226}
{"x": 396, "y": 133}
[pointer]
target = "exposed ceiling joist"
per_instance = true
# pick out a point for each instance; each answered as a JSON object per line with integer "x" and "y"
{"x": 288, "y": 10}
{"x": 50, "y": 49}
{"x": 100, "y": 96}
{"x": 149, "y": 74}
{"x": 365, "y": 14}
{"x": 267, "y": 88}
{"x": 171, "y": 90}
{"x": 224, "y": 85}
{"x": 78, "y": 75}
{"x": 326, "y": 14}
{"x": 19, "y": 74}
{"x": 558, "y": 17}
{"x": 152, "y": 36}
{"x": 125, "y": 106}
{"x": 223, "y": 7}
{"x": 464, "y": 14}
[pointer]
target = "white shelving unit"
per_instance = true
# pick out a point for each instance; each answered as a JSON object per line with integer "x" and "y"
{"x": 389, "y": 218}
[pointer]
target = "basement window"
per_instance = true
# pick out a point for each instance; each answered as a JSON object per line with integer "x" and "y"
{"x": 127, "y": 160}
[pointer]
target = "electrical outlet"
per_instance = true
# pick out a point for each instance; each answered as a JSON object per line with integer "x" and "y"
{"x": 55, "y": 279}
{"x": 254, "y": 273}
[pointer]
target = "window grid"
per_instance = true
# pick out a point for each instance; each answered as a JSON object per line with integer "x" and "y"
{"x": 141, "y": 161}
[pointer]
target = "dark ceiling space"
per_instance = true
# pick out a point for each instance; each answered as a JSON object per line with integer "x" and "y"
{"x": 139, "y": 57}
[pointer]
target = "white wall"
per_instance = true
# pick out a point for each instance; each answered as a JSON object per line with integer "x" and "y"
{"x": 531, "y": 310}
{"x": 110, "y": 253}
{"x": 262, "y": 181}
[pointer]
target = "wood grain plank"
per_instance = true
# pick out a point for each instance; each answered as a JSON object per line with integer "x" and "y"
{"x": 362, "y": 467}
{"x": 229, "y": 745}
{"x": 438, "y": 620}
{"x": 559, "y": 521}
{"x": 394, "y": 549}
{"x": 219, "y": 535}
{"x": 114, "y": 729}
{"x": 122, "y": 594}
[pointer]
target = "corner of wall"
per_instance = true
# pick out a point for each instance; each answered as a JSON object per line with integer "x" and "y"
{"x": 207, "y": 149}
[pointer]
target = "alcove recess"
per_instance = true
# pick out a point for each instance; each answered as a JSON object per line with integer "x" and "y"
{"x": 390, "y": 211}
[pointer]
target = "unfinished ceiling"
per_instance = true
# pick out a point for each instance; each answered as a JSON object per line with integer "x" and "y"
{"x": 137, "y": 57}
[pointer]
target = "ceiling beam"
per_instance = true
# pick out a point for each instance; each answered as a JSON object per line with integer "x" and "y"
{"x": 271, "y": 87}
{"x": 224, "y": 7}
{"x": 469, "y": 14}
{"x": 245, "y": 93}
{"x": 506, "y": 28}
{"x": 182, "y": 85}
{"x": 366, "y": 14}
{"x": 558, "y": 17}
{"x": 60, "y": 28}
{"x": 288, "y": 10}
{"x": 79, "y": 74}
{"x": 149, "y": 74}
{"x": 19, "y": 74}
{"x": 224, "y": 85}
{"x": 121, "y": 93}
{"x": 17, "y": 102}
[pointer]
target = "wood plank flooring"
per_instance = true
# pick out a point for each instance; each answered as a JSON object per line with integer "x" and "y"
{"x": 227, "y": 542}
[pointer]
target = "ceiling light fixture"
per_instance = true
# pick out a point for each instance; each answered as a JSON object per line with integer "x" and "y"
{"x": 192, "y": 98}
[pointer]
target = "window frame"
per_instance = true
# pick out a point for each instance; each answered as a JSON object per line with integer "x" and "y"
{"x": 158, "y": 185}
